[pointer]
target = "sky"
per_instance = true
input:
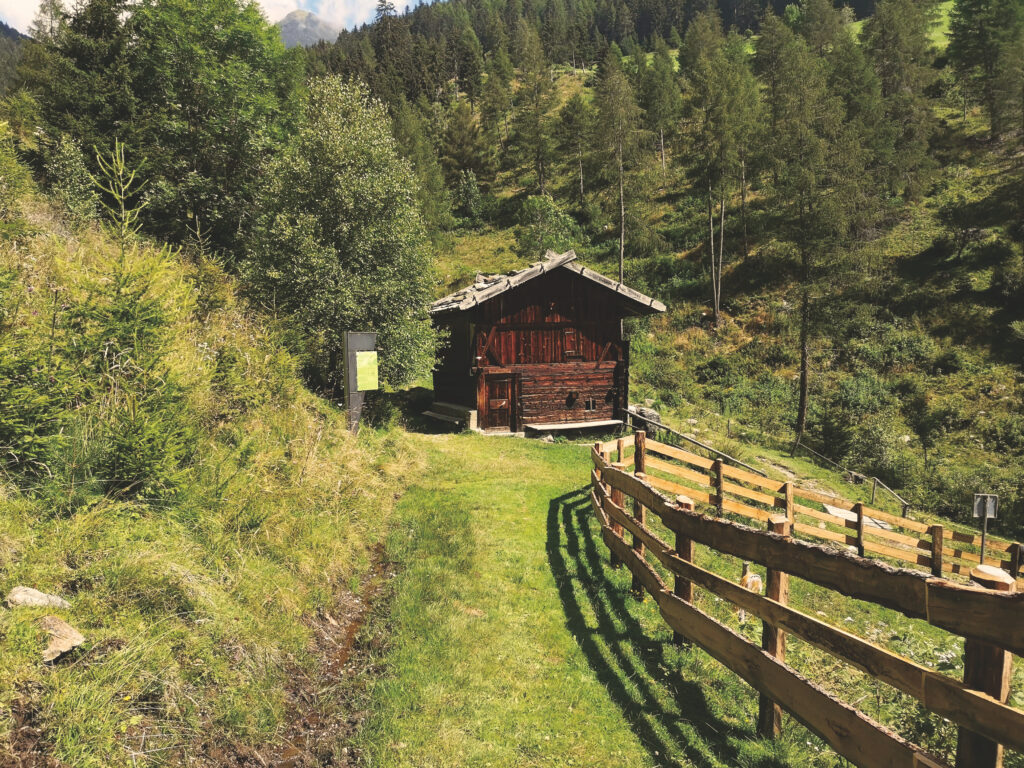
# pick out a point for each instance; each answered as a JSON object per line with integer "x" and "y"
{"x": 340, "y": 13}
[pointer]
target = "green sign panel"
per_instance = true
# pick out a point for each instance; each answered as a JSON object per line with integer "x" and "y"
{"x": 366, "y": 371}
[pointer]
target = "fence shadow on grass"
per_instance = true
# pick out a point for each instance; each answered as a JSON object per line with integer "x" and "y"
{"x": 681, "y": 728}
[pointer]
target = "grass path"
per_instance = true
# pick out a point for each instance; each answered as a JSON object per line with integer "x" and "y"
{"x": 513, "y": 644}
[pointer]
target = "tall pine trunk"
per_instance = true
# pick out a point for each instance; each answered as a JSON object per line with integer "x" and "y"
{"x": 743, "y": 205}
{"x": 721, "y": 250}
{"x": 580, "y": 158}
{"x": 661, "y": 133}
{"x": 711, "y": 248}
{"x": 801, "y": 411}
{"x": 622, "y": 220}
{"x": 805, "y": 331}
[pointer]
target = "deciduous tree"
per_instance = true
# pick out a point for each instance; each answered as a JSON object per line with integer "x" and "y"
{"x": 337, "y": 242}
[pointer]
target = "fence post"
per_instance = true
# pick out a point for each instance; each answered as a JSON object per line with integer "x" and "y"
{"x": 639, "y": 452}
{"x": 874, "y": 487}
{"x": 987, "y": 668}
{"x": 1016, "y": 555}
{"x": 773, "y": 640}
{"x": 719, "y": 479}
{"x": 787, "y": 490}
{"x": 858, "y": 508}
{"x": 683, "y": 588}
{"x": 935, "y": 531}
{"x": 618, "y": 500}
{"x": 640, "y": 515}
{"x": 620, "y": 449}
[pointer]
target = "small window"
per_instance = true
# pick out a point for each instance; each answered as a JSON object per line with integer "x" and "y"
{"x": 590, "y": 404}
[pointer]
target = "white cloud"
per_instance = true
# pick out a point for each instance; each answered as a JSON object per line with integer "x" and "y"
{"x": 341, "y": 13}
{"x": 18, "y": 13}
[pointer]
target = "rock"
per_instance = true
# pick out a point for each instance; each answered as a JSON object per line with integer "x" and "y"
{"x": 26, "y": 596}
{"x": 63, "y": 637}
{"x": 648, "y": 402}
{"x": 692, "y": 422}
{"x": 548, "y": 438}
{"x": 647, "y": 413}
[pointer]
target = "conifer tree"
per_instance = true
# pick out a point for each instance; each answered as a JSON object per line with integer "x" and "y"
{"x": 469, "y": 64}
{"x": 415, "y": 145}
{"x": 618, "y": 127}
{"x": 898, "y": 39}
{"x": 495, "y": 105}
{"x": 464, "y": 148}
{"x": 534, "y": 100}
{"x": 979, "y": 32}
{"x": 818, "y": 168}
{"x": 576, "y": 130}
{"x": 660, "y": 97}
{"x": 722, "y": 107}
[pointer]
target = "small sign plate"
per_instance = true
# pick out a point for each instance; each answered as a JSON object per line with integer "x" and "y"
{"x": 986, "y": 505}
{"x": 366, "y": 371}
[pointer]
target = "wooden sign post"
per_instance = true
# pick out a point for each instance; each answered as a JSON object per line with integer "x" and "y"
{"x": 360, "y": 373}
{"x": 986, "y": 505}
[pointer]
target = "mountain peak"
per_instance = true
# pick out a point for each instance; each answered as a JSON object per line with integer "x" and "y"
{"x": 301, "y": 27}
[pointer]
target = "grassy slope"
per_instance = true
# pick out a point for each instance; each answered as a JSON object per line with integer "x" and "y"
{"x": 940, "y": 320}
{"x": 201, "y": 604}
{"x": 514, "y": 643}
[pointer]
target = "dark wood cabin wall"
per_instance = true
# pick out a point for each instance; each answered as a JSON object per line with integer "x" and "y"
{"x": 453, "y": 381}
{"x": 557, "y": 318}
{"x": 561, "y": 296}
{"x": 559, "y": 393}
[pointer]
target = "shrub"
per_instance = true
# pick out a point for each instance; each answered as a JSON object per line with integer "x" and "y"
{"x": 468, "y": 203}
{"x": 35, "y": 393}
{"x": 891, "y": 346}
{"x": 70, "y": 181}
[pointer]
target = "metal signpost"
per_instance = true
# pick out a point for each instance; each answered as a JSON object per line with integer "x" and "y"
{"x": 360, "y": 372}
{"x": 985, "y": 506}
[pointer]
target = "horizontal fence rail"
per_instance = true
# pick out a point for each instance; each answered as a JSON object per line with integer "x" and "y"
{"x": 990, "y": 617}
{"x": 816, "y": 515}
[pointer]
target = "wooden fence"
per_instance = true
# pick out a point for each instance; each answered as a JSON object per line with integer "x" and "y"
{"x": 990, "y": 617}
{"x": 815, "y": 515}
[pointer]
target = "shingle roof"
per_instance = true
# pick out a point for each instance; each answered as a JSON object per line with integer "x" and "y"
{"x": 486, "y": 287}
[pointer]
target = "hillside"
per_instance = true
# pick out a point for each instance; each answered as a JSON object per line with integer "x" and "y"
{"x": 913, "y": 324}
{"x": 210, "y": 521}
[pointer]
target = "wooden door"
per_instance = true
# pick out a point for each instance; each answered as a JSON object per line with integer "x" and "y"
{"x": 500, "y": 402}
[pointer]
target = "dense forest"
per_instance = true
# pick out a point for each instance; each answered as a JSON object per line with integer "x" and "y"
{"x": 830, "y": 198}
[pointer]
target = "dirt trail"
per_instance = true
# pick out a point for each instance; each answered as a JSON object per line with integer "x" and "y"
{"x": 326, "y": 711}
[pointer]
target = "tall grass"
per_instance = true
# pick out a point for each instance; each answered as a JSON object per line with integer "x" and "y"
{"x": 163, "y": 468}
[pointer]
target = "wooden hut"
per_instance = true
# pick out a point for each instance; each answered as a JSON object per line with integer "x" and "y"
{"x": 541, "y": 349}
